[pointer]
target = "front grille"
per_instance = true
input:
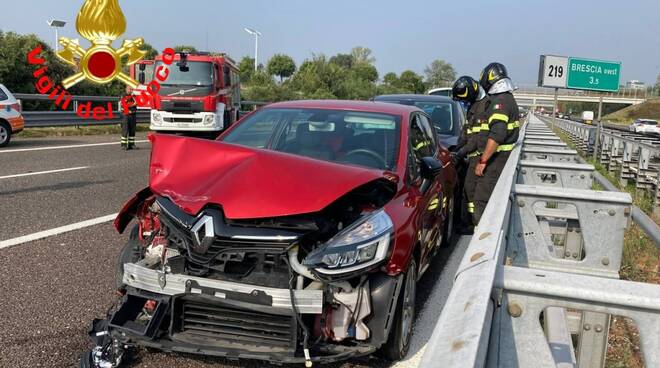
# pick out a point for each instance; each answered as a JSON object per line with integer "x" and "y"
{"x": 225, "y": 324}
{"x": 183, "y": 120}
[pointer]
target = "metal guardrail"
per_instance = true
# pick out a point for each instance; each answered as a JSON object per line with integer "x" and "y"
{"x": 538, "y": 282}
{"x": 627, "y": 156}
{"x": 43, "y": 119}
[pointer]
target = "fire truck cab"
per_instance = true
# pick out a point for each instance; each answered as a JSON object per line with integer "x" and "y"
{"x": 201, "y": 94}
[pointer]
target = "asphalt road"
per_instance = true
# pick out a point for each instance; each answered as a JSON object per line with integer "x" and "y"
{"x": 52, "y": 288}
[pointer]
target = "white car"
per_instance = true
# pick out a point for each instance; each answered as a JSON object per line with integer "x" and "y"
{"x": 645, "y": 126}
{"x": 11, "y": 119}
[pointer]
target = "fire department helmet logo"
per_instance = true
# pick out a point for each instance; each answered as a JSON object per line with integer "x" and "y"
{"x": 100, "y": 22}
{"x": 203, "y": 234}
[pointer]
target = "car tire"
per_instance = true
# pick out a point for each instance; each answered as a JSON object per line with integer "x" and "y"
{"x": 86, "y": 360}
{"x": 130, "y": 253}
{"x": 398, "y": 342}
{"x": 5, "y": 134}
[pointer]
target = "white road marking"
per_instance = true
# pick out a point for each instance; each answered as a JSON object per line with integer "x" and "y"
{"x": 44, "y": 172}
{"x": 65, "y": 147}
{"x": 56, "y": 231}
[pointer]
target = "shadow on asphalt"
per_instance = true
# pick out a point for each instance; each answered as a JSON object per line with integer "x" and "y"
{"x": 56, "y": 187}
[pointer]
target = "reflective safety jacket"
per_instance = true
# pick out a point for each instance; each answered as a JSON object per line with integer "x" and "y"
{"x": 477, "y": 128}
{"x": 503, "y": 123}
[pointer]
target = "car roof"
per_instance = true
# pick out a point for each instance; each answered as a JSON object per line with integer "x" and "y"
{"x": 365, "y": 106}
{"x": 414, "y": 97}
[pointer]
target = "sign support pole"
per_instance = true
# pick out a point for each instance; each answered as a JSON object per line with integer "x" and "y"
{"x": 554, "y": 107}
{"x": 600, "y": 126}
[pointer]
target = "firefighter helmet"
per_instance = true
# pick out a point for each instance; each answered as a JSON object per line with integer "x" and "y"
{"x": 492, "y": 74}
{"x": 465, "y": 89}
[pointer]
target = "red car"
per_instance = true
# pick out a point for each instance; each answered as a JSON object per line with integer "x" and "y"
{"x": 297, "y": 237}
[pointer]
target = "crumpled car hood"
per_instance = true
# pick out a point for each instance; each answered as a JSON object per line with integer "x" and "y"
{"x": 247, "y": 183}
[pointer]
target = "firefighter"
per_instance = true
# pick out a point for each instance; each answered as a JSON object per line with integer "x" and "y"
{"x": 503, "y": 127}
{"x": 471, "y": 143}
{"x": 129, "y": 123}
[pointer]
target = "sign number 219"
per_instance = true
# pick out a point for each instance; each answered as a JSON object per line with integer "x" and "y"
{"x": 556, "y": 71}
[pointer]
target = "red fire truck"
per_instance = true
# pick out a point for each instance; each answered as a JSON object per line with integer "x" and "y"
{"x": 201, "y": 94}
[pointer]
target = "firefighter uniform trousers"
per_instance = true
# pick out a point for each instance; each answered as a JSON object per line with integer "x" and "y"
{"x": 478, "y": 133}
{"x": 484, "y": 186}
{"x": 128, "y": 127}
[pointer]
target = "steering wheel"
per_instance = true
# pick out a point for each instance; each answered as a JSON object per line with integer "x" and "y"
{"x": 367, "y": 152}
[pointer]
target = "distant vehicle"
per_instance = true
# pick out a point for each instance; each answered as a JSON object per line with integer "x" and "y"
{"x": 201, "y": 95}
{"x": 446, "y": 114}
{"x": 11, "y": 119}
{"x": 445, "y": 91}
{"x": 645, "y": 126}
{"x": 587, "y": 117}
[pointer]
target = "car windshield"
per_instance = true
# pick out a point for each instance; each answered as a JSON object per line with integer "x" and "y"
{"x": 349, "y": 137}
{"x": 649, "y": 122}
{"x": 440, "y": 112}
{"x": 195, "y": 73}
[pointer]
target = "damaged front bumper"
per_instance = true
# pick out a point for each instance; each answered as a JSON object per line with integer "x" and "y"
{"x": 140, "y": 277}
{"x": 240, "y": 321}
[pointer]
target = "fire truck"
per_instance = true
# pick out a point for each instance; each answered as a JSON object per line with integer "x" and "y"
{"x": 200, "y": 96}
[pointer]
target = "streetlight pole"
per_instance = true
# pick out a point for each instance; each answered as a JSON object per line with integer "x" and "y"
{"x": 57, "y": 24}
{"x": 256, "y": 35}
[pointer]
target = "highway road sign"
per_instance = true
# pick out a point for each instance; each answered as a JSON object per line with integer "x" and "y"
{"x": 593, "y": 75}
{"x": 553, "y": 71}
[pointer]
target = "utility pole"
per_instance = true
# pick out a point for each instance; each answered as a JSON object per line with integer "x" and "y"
{"x": 256, "y": 35}
{"x": 57, "y": 24}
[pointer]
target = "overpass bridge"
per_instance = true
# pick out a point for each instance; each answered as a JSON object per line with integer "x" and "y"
{"x": 529, "y": 96}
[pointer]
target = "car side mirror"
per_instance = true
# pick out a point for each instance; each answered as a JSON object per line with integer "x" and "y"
{"x": 430, "y": 167}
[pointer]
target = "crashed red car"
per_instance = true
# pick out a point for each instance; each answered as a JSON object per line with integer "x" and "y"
{"x": 297, "y": 237}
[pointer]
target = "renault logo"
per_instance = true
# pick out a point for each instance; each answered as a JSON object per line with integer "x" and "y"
{"x": 203, "y": 234}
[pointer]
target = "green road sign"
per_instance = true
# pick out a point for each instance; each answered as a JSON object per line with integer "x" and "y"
{"x": 593, "y": 75}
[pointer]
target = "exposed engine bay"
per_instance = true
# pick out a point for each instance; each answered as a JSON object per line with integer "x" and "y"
{"x": 293, "y": 289}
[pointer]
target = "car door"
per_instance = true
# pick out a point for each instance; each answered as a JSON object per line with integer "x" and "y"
{"x": 430, "y": 200}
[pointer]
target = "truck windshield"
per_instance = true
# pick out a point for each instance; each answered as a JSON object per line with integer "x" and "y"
{"x": 196, "y": 73}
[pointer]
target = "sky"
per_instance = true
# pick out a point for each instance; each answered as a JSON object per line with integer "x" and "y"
{"x": 403, "y": 35}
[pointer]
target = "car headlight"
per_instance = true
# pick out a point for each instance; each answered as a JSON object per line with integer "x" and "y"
{"x": 209, "y": 119}
{"x": 361, "y": 245}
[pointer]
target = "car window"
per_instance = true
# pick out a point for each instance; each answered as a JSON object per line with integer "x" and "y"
{"x": 351, "y": 137}
{"x": 421, "y": 137}
{"x": 3, "y": 96}
{"x": 441, "y": 115}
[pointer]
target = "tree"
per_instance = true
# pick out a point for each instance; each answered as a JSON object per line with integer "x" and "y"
{"x": 246, "y": 67}
{"x": 411, "y": 82}
{"x": 366, "y": 72}
{"x": 151, "y": 51}
{"x": 281, "y": 65}
{"x": 440, "y": 74}
{"x": 343, "y": 60}
{"x": 390, "y": 79}
{"x": 657, "y": 85}
{"x": 185, "y": 48}
{"x": 362, "y": 55}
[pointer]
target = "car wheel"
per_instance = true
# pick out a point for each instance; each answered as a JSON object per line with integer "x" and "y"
{"x": 5, "y": 134}
{"x": 131, "y": 253}
{"x": 398, "y": 342}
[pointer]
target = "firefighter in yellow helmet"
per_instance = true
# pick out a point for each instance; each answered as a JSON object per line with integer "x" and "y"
{"x": 502, "y": 126}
